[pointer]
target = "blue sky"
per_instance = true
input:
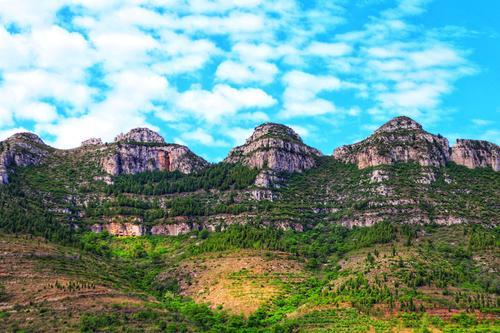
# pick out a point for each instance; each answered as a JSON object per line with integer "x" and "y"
{"x": 204, "y": 73}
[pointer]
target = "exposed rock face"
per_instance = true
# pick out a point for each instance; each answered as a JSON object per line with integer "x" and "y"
{"x": 132, "y": 159}
{"x": 171, "y": 229}
{"x": 120, "y": 229}
{"x": 274, "y": 147}
{"x": 92, "y": 142}
{"x": 476, "y": 153}
{"x": 21, "y": 149}
{"x": 133, "y": 153}
{"x": 400, "y": 140}
{"x": 140, "y": 135}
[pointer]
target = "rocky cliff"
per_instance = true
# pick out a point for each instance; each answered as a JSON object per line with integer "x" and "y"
{"x": 476, "y": 153}
{"x": 400, "y": 140}
{"x": 274, "y": 147}
{"x": 92, "y": 142}
{"x": 143, "y": 150}
{"x": 140, "y": 135}
{"x": 21, "y": 149}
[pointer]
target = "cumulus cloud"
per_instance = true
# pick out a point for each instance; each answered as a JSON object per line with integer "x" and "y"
{"x": 239, "y": 73}
{"x": 301, "y": 94}
{"x": 222, "y": 101}
{"x": 75, "y": 69}
{"x": 201, "y": 136}
{"x": 329, "y": 49}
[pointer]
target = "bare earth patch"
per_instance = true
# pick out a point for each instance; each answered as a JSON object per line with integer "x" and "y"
{"x": 241, "y": 281}
{"x": 44, "y": 288}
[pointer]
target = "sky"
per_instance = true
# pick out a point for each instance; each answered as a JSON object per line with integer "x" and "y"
{"x": 204, "y": 73}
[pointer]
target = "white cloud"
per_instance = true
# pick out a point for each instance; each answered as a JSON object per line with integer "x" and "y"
{"x": 4, "y": 134}
{"x": 201, "y": 136}
{"x": 125, "y": 107}
{"x": 480, "y": 122}
{"x": 123, "y": 49}
{"x": 301, "y": 94}
{"x": 408, "y": 8}
{"x": 239, "y": 134}
{"x": 221, "y": 101}
{"x": 436, "y": 56}
{"x": 239, "y": 73}
{"x": 29, "y": 13}
{"x": 36, "y": 84}
{"x": 390, "y": 63}
{"x": 301, "y": 130}
{"x": 329, "y": 49}
{"x": 39, "y": 112}
{"x": 60, "y": 50}
{"x": 5, "y": 117}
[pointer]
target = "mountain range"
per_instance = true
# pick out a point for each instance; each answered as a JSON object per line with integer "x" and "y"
{"x": 395, "y": 233}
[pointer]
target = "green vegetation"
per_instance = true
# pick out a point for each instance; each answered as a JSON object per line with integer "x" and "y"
{"x": 356, "y": 277}
{"x": 3, "y": 293}
{"x": 220, "y": 176}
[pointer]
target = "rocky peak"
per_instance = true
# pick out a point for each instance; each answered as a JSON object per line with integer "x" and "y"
{"x": 400, "y": 140}
{"x": 21, "y": 149}
{"x": 140, "y": 135}
{"x": 133, "y": 153}
{"x": 273, "y": 130}
{"x": 400, "y": 123}
{"x": 26, "y": 137}
{"x": 476, "y": 153}
{"x": 91, "y": 142}
{"x": 274, "y": 147}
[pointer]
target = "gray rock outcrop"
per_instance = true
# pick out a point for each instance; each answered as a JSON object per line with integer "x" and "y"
{"x": 400, "y": 140}
{"x": 476, "y": 154}
{"x": 140, "y": 135}
{"x": 274, "y": 147}
{"x": 21, "y": 150}
{"x": 133, "y": 153}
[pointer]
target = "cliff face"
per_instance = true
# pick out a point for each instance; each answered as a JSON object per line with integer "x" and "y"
{"x": 476, "y": 153}
{"x": 274, "y": 147}
{"x": 143, "y": 150}
{"x": 400, "y": 140}
{"x": 22, "y": 149}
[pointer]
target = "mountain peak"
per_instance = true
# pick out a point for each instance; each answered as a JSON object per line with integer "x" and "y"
{"x": 140, "y": 134}
{"x": 399, "y": 123}
{"x": 275, "y": 147}
{"x": 26, "y": 136}
{"x": 401, "y": 139}
{"x": 274, "y": 130}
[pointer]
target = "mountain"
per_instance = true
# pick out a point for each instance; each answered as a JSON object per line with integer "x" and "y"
{"x": 399, "y": 140}
{"x": 274, "y": 147}
{"x": 476, "y": 154}
{"x": 21, "y": 149}
{"x": 137, "y": 151}
{"x": 143, "y": 150}
{"x": 396, "y": 232}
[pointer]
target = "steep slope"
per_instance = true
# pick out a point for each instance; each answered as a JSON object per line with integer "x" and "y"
{"x": 143, "y": 150}
{"x": 476, "y": 153}
{"x": 274, "y": 147}
{"x": 22, "y": 149}
{"x": 399, "y": 140}
{"x": 407, "y": 244}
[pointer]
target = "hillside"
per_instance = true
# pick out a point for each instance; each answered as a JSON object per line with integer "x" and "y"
{"x": 397, "y": 232}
